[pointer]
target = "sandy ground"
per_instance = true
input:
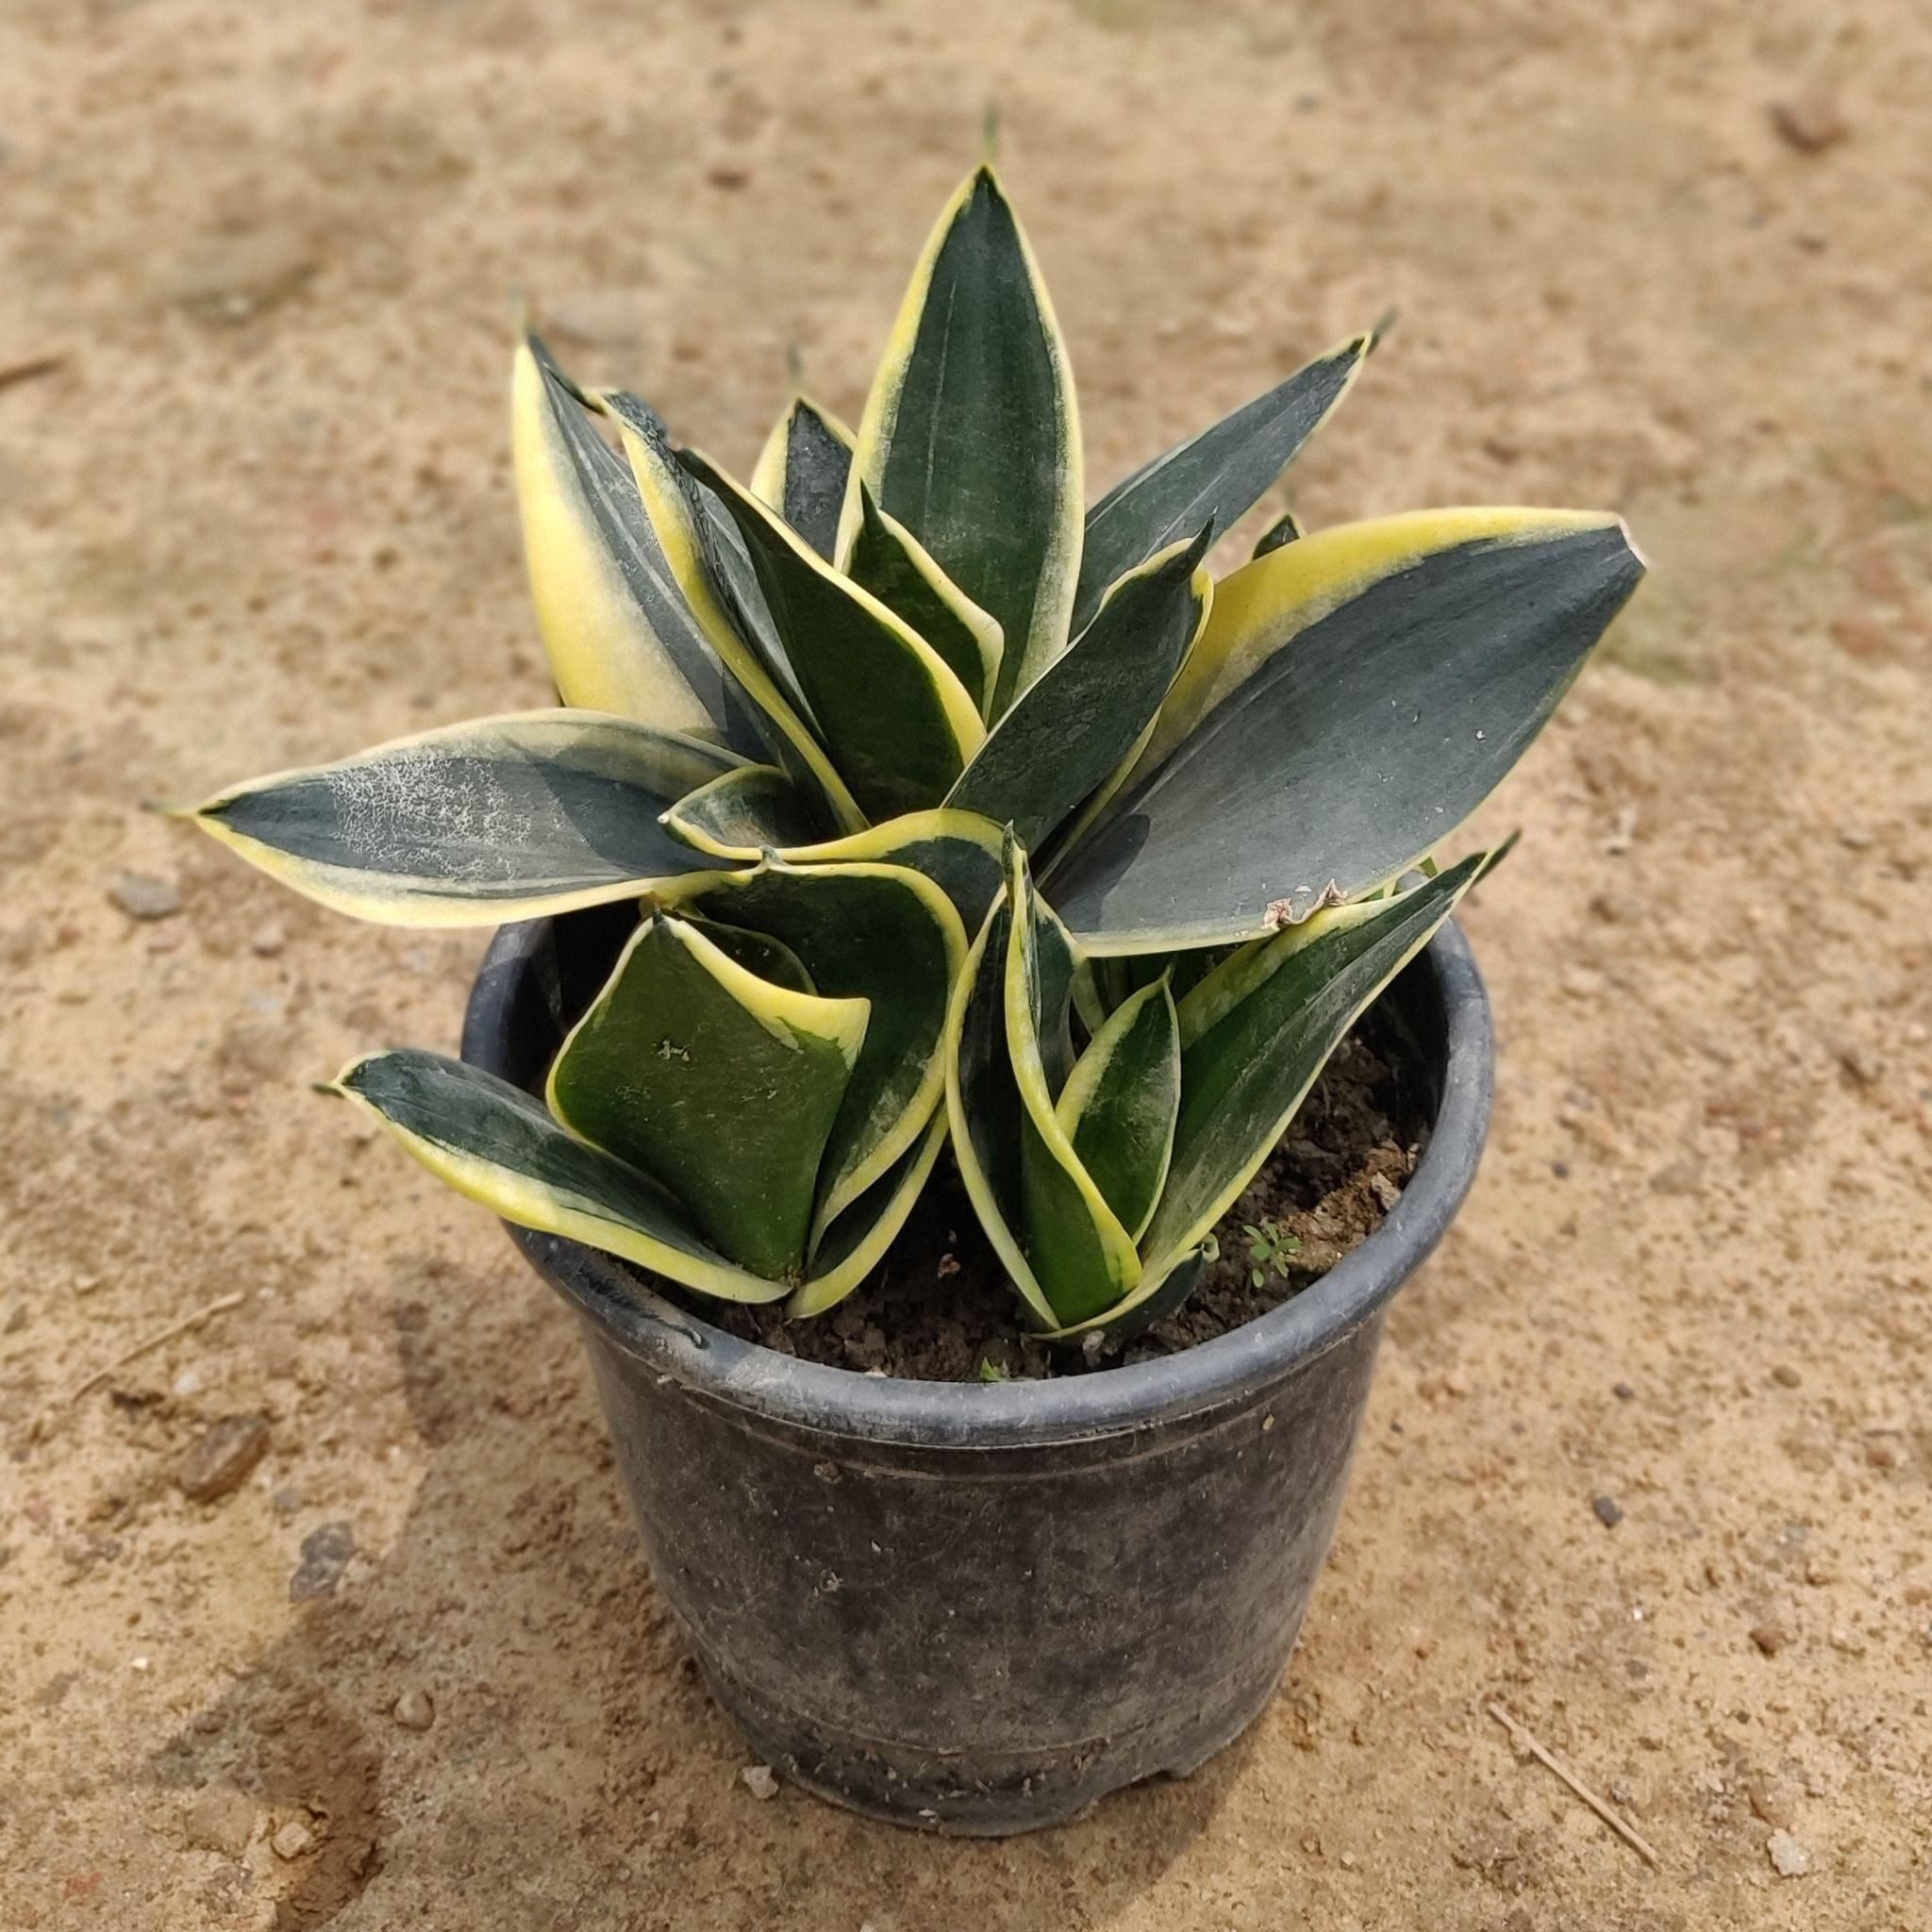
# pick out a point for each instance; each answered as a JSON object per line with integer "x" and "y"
{"x": 261, "y": 513}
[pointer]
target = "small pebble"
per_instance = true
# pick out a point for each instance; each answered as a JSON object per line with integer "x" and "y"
{"x": 325, "y": 1553}
{"x": 291, "y": 1839}
{"x": 1680, "y": 1177}
{"x": 221, "y": 1819}
{"x": 1788, "y": 1859}
{"x": 268, "y": 940}
{"x": 1770, "y": 1803}
{"x": 1769, "y": 1637}
{"x": 1609, "y": 1512}
{"x": 222, "y": 1460}
{"x": 1881, "y": 1453}
{"x": 1786, "y": 1376}
{"x": 142, "y": 896}
{"x": 415, "y": 1710}
{"x": 1812, "y": 123}
{"x": 1624, "y": 1392}
{"x": 1861, "y": 1063}
{"x": 760, "y": 1780}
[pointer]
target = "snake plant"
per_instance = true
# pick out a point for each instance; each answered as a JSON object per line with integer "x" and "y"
{"x": 953, "y": 808}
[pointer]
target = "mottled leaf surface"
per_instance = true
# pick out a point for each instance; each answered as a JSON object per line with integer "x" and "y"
{"x": 503, "y": 818}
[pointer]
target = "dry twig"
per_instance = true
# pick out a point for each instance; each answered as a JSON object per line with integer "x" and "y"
{"x": 1550, "y": 1762}
{"x": 29, "y": 367}
{"x": 219, "y": 1306}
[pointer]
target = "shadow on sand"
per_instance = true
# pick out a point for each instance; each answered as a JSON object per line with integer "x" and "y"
{"x": 576, "y": 1773}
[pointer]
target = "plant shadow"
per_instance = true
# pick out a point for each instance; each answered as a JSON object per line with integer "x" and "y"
{"x": 577, "y": 1772}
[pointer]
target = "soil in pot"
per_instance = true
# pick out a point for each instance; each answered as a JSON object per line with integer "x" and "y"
{"x": 939, "y": 1307}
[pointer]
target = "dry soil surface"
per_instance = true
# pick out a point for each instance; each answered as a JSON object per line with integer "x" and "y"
{"x": 257, "y": 510}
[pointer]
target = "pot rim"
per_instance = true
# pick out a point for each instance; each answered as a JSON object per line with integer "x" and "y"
{"x": 848, "y": 1402}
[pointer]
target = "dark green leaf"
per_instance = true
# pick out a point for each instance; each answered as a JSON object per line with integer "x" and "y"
{"x": 496, "y": 1145}
{"x": 883, "y": 934}
{"x": 970, "y": 436}
{"x": 472, "y": 824}
{"x": 1257, "y": 1032}
{"x": 1118, "y": 1109}
{"x": 802, "y": 472}
{"x": 1071, "y": 726}
{"x": 753, "y": 809}
{"x": 620, "y": 635}
{"x": 719, "y": 1085}
{"x": 1370, "y": 711}
{"x": 1214, "y": 478}
{"x": 888, "y": 561}
{"x": 898, "y": 724}
{"x": 1284, "y": 530}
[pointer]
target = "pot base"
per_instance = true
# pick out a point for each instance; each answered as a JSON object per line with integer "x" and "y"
{"x": 1005, "y": 1795}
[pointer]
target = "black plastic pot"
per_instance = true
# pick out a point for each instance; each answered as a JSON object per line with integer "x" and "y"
{"x": 980, "y": 1607}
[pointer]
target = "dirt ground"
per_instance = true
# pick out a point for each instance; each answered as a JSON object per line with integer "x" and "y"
{"x": 258, "y": 511}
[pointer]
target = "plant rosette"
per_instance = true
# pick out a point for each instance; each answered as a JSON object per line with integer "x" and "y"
{"x": 899, "y": 806}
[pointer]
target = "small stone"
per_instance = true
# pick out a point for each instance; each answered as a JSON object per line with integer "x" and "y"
{"x": 221, "y": 1820}
{"x": 1770, "y": 1803}
{"x": 325, "y": 1553}
{"x": 1623, "y": 833}
{"x": 1788, "y": 1859}
{"x": 1854, "y": 837}
{"x": 1680, "y": 1177}
{"x": 1881, "y": 1453}
{"x": 222, "y": 1460}
{"x": 1847, "y": 1642}
{"x": 291, "y": 1839}
{"x": 141, "y": 897}
{"x": 760, "y": 1780}
{"x": 415, "y": 1710}
{"x": 1861, "y": 1063}
{"x": 1769, "y": 1637}
{"x": 1820, "y": 1571}
{"x": 1812, "y": 123}
{"x": 1609, "y": 1512}
{"x": 242, "y": 275}
{"x": 1624, "y": 1392}
{"x": 268, "y": 940}
{"x": 1786, "y": 1376}
{"x": 1583, "y": 983}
